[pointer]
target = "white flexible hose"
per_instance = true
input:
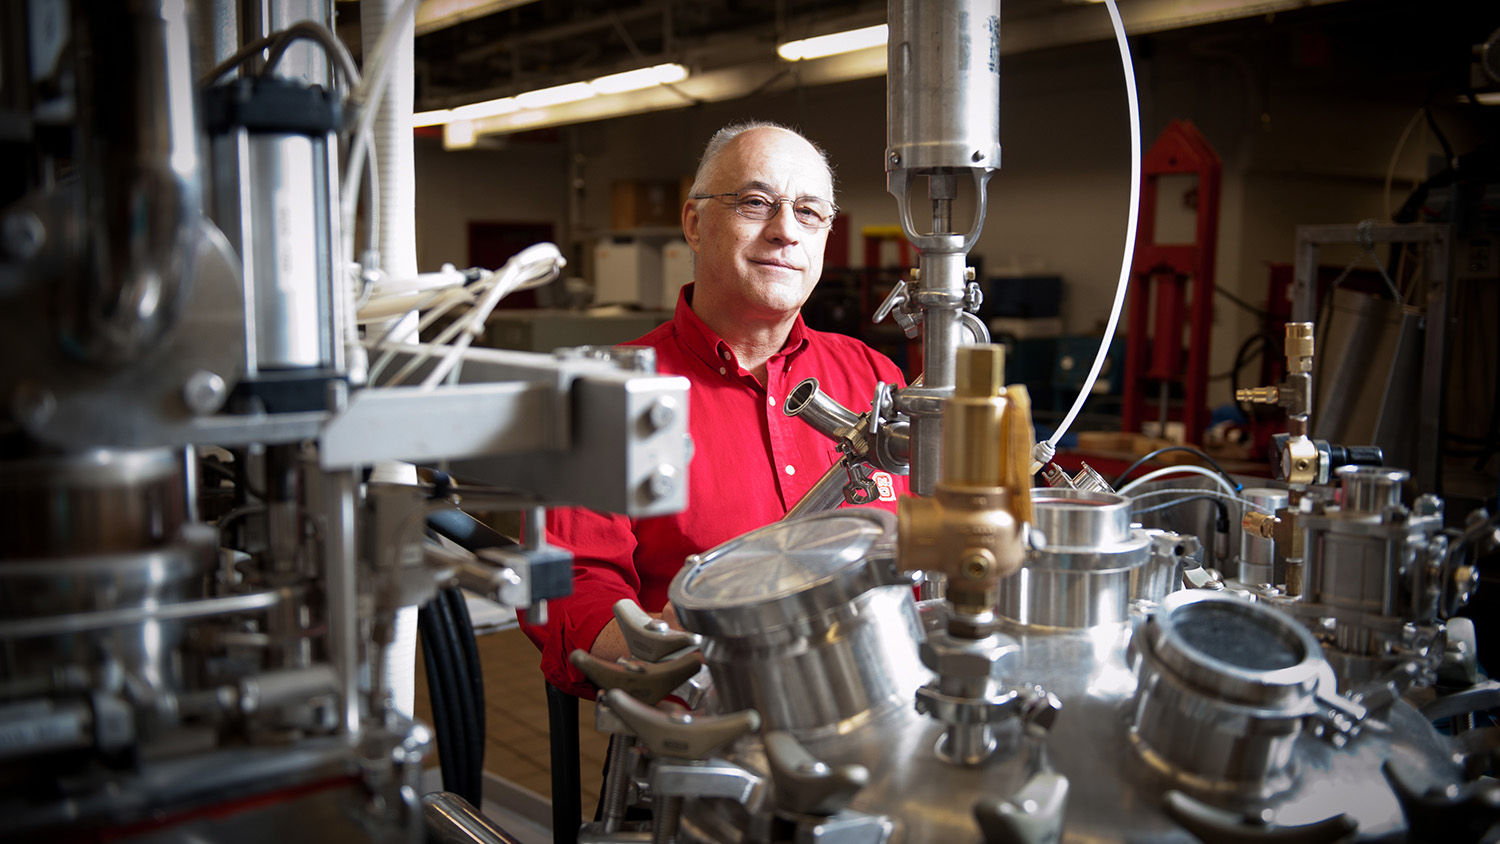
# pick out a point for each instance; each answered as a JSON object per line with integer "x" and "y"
{"x": 1189, "y": 492}
{"x": 1046, "y": 448}
{"x": 1177, "y": 470}
{"x": 532, "y": 264}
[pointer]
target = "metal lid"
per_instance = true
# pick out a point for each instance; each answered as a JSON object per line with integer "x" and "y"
{"x": 1240, "y": 651}
{"x": 784, "y": 573}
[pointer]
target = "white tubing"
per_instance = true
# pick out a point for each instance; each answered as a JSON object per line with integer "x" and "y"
{"x": 1045, "y": 449}
{"x": 1177, "y": 470}
{"x": 390, "y": 87}
{"x": 394, "y": 154}
{"x": 1188, "y": 491}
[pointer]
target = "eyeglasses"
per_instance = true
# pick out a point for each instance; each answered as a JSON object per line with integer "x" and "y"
{"x": 811, "y": 212}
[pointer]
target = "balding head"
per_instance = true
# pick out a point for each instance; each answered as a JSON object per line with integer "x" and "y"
{"x": 723, "y": 138}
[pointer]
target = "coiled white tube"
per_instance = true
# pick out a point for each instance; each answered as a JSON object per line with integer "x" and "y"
{"x": 1046, "y": 448}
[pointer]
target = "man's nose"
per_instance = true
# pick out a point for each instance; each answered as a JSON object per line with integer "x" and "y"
{"x": 783, "y": 226}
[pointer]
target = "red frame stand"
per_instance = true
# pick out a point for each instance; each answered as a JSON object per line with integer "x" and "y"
{"x": 1173, "y": 282}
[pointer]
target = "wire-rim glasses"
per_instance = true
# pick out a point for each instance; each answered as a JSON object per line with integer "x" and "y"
{"x": 811, "y": 212}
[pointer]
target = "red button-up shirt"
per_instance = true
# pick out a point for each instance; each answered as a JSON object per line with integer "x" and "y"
{"x": 751, "y": 463}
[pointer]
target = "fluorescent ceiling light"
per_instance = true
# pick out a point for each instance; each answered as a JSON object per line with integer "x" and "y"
{"x": 830, "y": 45}
{"x": 488, "y": 108}
{"x": 556, "y": 95}
{"x": 634, "y": 80}
{"x": 459, "y": 134}
{"x": 1487, "y": 98}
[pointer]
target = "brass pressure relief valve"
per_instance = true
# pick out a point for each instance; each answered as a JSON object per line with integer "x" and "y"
{"x": 971, "y": 527}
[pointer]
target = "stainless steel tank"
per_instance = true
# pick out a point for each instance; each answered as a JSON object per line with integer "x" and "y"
{"x": 1183, "y": 717}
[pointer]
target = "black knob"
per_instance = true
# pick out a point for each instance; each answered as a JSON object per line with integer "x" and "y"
{"x": 1355, "y": 455}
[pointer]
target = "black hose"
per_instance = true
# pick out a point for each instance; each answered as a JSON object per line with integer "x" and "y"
{"x": 1196, "y": 451}
{"x": 456, "y": 683}
{"x": 463, "y": 631}
{"x": 444, "y": 719}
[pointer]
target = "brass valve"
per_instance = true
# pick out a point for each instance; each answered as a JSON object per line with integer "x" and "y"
{"x": 970, "y": 528}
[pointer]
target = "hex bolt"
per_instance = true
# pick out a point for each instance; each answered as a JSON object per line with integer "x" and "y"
{"x": 32, "y": 404}
{"x": 661, "y": 413}
{"x": 661, "y": 483}
{"x": 204, "y": 392}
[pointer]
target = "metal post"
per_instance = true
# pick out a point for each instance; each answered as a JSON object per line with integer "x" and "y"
{"x": 340, "y": 563}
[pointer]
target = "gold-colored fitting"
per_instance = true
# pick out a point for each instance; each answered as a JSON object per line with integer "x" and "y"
{"x": 1259, "y": 524}
{"x": 1299, "y": 346}
{"x": 1299, "y": 461}
{"x": 1258, "y": 395}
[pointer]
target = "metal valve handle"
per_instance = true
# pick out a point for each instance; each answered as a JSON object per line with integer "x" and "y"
{"x": 680, "y": 735}
{"x": 805, "y": 784}
{"x": 650, "y": 639}
{"x": 647, "y": 682}
{"x": 1033, "y": 815}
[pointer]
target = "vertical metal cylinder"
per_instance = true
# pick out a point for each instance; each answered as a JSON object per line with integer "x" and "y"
{"x": 942, "y": 121}
{"x": 274, "y": 199}
{"x": 138, "y": 148}
{"x": 1257, "y": 559}
{"x": 943, "y": 84}
{"x": 942, "y": 276}
{"x": 1371, "y": 489}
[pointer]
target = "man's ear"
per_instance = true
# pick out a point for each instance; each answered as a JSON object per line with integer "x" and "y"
{"x": 690, "y": 224}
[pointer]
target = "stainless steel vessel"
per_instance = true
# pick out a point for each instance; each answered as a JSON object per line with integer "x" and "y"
{"x": 1173, "y": 717}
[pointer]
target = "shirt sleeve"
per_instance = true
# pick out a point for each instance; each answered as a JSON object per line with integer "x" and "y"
{"x": 603, "y": 547}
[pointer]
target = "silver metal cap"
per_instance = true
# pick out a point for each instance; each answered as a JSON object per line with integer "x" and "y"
{"x": 784, "y": 573}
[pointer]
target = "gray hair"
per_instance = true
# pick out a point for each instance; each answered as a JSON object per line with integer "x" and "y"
{"x": 721, "y": 139}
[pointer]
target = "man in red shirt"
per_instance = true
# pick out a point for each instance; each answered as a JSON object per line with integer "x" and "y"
{"x": 757, "y": 220}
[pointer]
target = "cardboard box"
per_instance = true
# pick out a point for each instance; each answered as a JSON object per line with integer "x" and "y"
{"x": 628, "y": 272}
{"x": 637, "y": 203}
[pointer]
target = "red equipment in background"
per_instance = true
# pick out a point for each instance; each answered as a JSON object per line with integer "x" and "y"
{"x": 1161, "y": 279}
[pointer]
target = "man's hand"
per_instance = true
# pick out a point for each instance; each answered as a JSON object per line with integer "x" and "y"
{"x": 610, "y": 645}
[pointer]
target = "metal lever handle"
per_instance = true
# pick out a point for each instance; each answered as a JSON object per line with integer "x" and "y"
{"x": 680, "y": 735}
{"x": 805, "y": 784}
{"x": 650, "y": 639}
{"x": 893, "y": 300}
{"x": 1216, "y": 826}
{"x": 647, "y": 682}
{"x": 1434, "y": 813}
{"x": 1033, "y": 815}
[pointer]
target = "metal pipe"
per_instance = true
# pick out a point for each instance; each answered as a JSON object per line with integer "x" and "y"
{"x": 826, "y": 494}
{"x": 813, "y": 406}
{"x": 454, "y": 820}
{"x": 141, "y": 196}
{"x": 343, "y": 608}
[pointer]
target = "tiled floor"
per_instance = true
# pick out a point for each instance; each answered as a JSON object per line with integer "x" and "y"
{"x": 517, "y": 747}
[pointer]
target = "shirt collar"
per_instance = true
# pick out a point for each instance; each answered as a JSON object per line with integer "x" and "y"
{"x": 708, "y": 346}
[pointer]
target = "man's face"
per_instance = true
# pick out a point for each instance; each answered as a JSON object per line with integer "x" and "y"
{"x": 761, "y": 267}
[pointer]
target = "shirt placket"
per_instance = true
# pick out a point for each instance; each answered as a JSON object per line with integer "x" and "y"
{"x": 791, "y": 474}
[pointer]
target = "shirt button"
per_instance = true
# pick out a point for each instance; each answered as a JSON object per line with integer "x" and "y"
{"x": 725, "y": 354}
{"x": 723, "y": 371}
{"x": 771, "y": 400}
{"x": 791, "y": 470}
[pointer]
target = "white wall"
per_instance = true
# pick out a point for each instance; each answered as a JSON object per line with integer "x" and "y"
{"x": 1302, "y": 140}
